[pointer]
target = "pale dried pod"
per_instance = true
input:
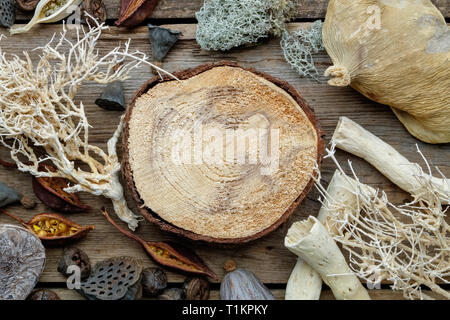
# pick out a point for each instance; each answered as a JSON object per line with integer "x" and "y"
{"x": 242, "y": 284}
{"x": 395, "y": 52}
{"x": 48, "y": 11}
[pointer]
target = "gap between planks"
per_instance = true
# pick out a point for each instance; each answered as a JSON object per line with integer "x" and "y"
{"x": 186, "y": 9}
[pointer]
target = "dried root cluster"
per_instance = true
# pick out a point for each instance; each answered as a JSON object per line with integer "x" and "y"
{"x": 40, "y": 122}
{"x": 406, "y": 245}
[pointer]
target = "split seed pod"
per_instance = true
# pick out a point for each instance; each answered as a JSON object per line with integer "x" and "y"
{"x": 53, "y": 229}
{"x": 51, "y": 192}
{"x": 112, "y": 97}
{"x": 169, "y": 254}
{"x": 48, "y": 11}
{"x": 22, "y": 260}
{"x": 27, "y": 5}
{"x": 397, "y": 53}
{"x": 133, "y": 12}
{"x": 161, "y": 40}
{"x": 242, "y": 284}
{"x": 7, "y": 13}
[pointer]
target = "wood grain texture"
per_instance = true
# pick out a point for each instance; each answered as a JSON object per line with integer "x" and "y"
{"x": 382, "y": 294}
{"x": 185, "y": 9}
{"x": 267, "y": 257}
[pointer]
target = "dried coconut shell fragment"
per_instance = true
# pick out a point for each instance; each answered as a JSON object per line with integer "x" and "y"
{"x": 238, "y": 202}
{"x": 310, "y": 241}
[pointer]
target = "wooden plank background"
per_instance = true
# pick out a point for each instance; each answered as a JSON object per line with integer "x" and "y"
{"x": 185, "y": 9}
{"x": 266, "y": 257}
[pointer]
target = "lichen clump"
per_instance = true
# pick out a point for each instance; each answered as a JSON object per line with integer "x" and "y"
{"x": 223, "y": 25}
{"x": 298, "y": 49}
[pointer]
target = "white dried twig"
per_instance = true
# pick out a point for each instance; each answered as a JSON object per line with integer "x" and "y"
{"x": 407, "y": 245}
{"x": 37, "y": 110}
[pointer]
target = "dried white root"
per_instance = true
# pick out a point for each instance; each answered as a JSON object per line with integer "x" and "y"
{"x": 405, "y": 245}
{"x": 38, "y": 110}
{"x": 304, "y": 283}
{"x": 351, "y": 137}
{"x": 310, "y": 241}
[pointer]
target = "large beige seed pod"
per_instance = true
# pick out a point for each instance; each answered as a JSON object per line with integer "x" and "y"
{"x": 396, "y": 52}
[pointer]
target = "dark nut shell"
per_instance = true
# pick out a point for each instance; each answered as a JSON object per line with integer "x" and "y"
{"x": 43, "y": 294}
{"x": 75, "y": 256}
{"x": 27, "y": 5}
{"x": 154, "y": 280}
{"x": 172, "y": 294}
{"x": 196, "y": 289}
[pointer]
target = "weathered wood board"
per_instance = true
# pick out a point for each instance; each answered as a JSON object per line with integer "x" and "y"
{"x": 267, "y": 257}
{"x": 176, "y": 9}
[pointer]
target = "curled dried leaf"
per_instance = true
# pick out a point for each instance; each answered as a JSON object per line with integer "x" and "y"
{"x": 51, "y": 192}
{"x": 53, "y": 229}
{"x": 169, "y": 254}
{"x": 133, "y": 12}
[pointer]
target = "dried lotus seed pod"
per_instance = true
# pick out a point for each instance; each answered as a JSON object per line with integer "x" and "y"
{"x": 7, "y": 13}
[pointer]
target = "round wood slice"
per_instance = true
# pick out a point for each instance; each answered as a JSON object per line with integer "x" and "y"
{"x": 192, "y": 179}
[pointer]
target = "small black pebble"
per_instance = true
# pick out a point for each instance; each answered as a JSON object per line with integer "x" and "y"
{"x": 112, "y": 97}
